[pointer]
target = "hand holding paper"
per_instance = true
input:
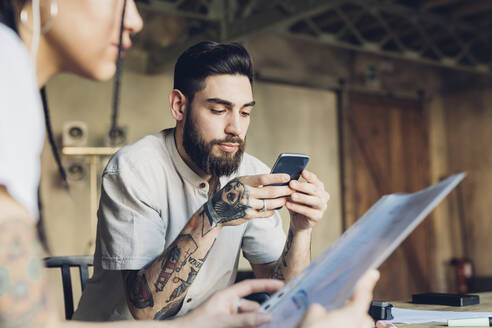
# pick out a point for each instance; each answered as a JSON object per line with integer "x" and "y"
{"x": 352, "y": 315}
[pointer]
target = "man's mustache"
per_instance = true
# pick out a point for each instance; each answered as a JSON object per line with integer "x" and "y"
{"x": 229, "y": 139}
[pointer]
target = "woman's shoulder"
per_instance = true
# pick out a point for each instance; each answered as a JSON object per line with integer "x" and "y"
{"x": 20, "y": 104}
{"x": 17, "y": 75}
{"x": 12, "y": 46}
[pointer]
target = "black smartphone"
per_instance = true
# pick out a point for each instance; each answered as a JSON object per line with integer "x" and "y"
{"x": 290, "y": 163}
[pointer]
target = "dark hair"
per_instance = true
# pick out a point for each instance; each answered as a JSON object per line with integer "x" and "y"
{"x": 8, "y": 13}
{"x": 210, "y": 58}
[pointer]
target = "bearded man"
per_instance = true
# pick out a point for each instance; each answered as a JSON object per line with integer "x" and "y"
{"x": 177, "y": 207}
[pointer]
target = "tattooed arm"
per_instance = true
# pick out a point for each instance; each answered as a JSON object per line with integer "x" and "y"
{"x": 295, "y": 257}
{"x": 157, "y": 291}
{"x": 23, "y": 297}
{"x": 306, "y": 205}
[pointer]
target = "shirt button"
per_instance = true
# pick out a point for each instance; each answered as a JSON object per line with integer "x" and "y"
{"x": 189, "y": 300}
{"x": 203, "y": 185}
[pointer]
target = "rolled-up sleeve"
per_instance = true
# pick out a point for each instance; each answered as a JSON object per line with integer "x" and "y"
{"x": 131, "y": 233}
{"x": 263, "y": 240}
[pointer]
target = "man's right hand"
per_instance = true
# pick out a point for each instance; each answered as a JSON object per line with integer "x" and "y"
{"x": 353, "y": 315}
{"x": 247, "y": 197}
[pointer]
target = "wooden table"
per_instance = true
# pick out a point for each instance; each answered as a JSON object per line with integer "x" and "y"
{"x": 484, "y": 306}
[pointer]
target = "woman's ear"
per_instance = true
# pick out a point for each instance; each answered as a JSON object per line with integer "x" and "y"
{"x": 177, "y": 104}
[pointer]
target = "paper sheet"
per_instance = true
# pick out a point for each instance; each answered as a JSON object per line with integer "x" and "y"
{"x": 331, "y": 278}
{"x": 423, "y": 316}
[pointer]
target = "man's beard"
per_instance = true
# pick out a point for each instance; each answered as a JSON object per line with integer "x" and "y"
{"x": 200, "y": 152}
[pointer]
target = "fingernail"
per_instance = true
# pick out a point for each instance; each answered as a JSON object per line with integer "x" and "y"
{"x": 286, "y": 177}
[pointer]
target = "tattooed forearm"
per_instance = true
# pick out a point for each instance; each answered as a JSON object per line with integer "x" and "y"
{"x": 183, "y": 284}
{"x": 168, "y": 311}
{"x": 168, "y": 268}
{"x": 175, "y": 259}
{"x": 288, "y": 245}
{"x": 197, "y": 263}
{"x": 278, "y": 271}
{"x": 228, "y": 204}
{"x": 138, "y": 290}
{"x": 24, "y": 300}
{"x": 173, "y": 273}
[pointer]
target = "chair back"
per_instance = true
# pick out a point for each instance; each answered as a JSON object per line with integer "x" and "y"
{"x": 65, "y": 263}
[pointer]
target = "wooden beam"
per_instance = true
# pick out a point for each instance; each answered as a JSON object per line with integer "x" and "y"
{"x": 168, "y": 8}
{"x": 432, "y": 4}
{"x": 277, "y": 16}
{"x": 472, "y": 8}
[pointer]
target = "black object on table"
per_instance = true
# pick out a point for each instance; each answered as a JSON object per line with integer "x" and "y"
{"x": 446, "y": 299}
{"x": 380, "y": 310}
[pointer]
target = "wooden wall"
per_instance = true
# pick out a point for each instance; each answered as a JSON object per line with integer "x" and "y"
{"x": 468, "y": 119}
{"x": 387, "y": 151}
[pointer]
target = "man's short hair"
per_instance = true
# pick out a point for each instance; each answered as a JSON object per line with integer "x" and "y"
{"x": 210, "y": 58}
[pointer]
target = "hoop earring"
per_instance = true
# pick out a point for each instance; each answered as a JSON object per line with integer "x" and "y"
{"x": 24, "y": 16}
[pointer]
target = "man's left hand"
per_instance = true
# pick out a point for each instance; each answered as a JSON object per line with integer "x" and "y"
{"x": 308, "y": 203}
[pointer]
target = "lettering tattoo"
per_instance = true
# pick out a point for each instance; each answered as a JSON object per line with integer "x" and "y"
{"x": 138, "y": 290}
{"x": 228, "y": 204}
{"x": 199, "y": 262}
{"x": 174, "y": 260}
{"x": 168, "y": 311}
{"x": 183, "y": 286}
{"x": 196, "y": 263}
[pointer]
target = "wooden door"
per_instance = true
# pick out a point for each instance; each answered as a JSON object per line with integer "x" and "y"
{"x": 387, "y": 150}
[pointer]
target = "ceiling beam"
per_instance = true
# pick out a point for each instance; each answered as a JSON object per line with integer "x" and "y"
{"x": 169, "y": 8}
{"x": 279, "y": 15}
{"x": 482, "y": 69}
{"x": 419, "y": 16}
{"x": 285, "y": 13}
{"x": 433, "y": 4}
{"x": 472, "y": 8}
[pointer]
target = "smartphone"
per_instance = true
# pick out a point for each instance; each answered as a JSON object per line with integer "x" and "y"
{"x": 290, "y": 163}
